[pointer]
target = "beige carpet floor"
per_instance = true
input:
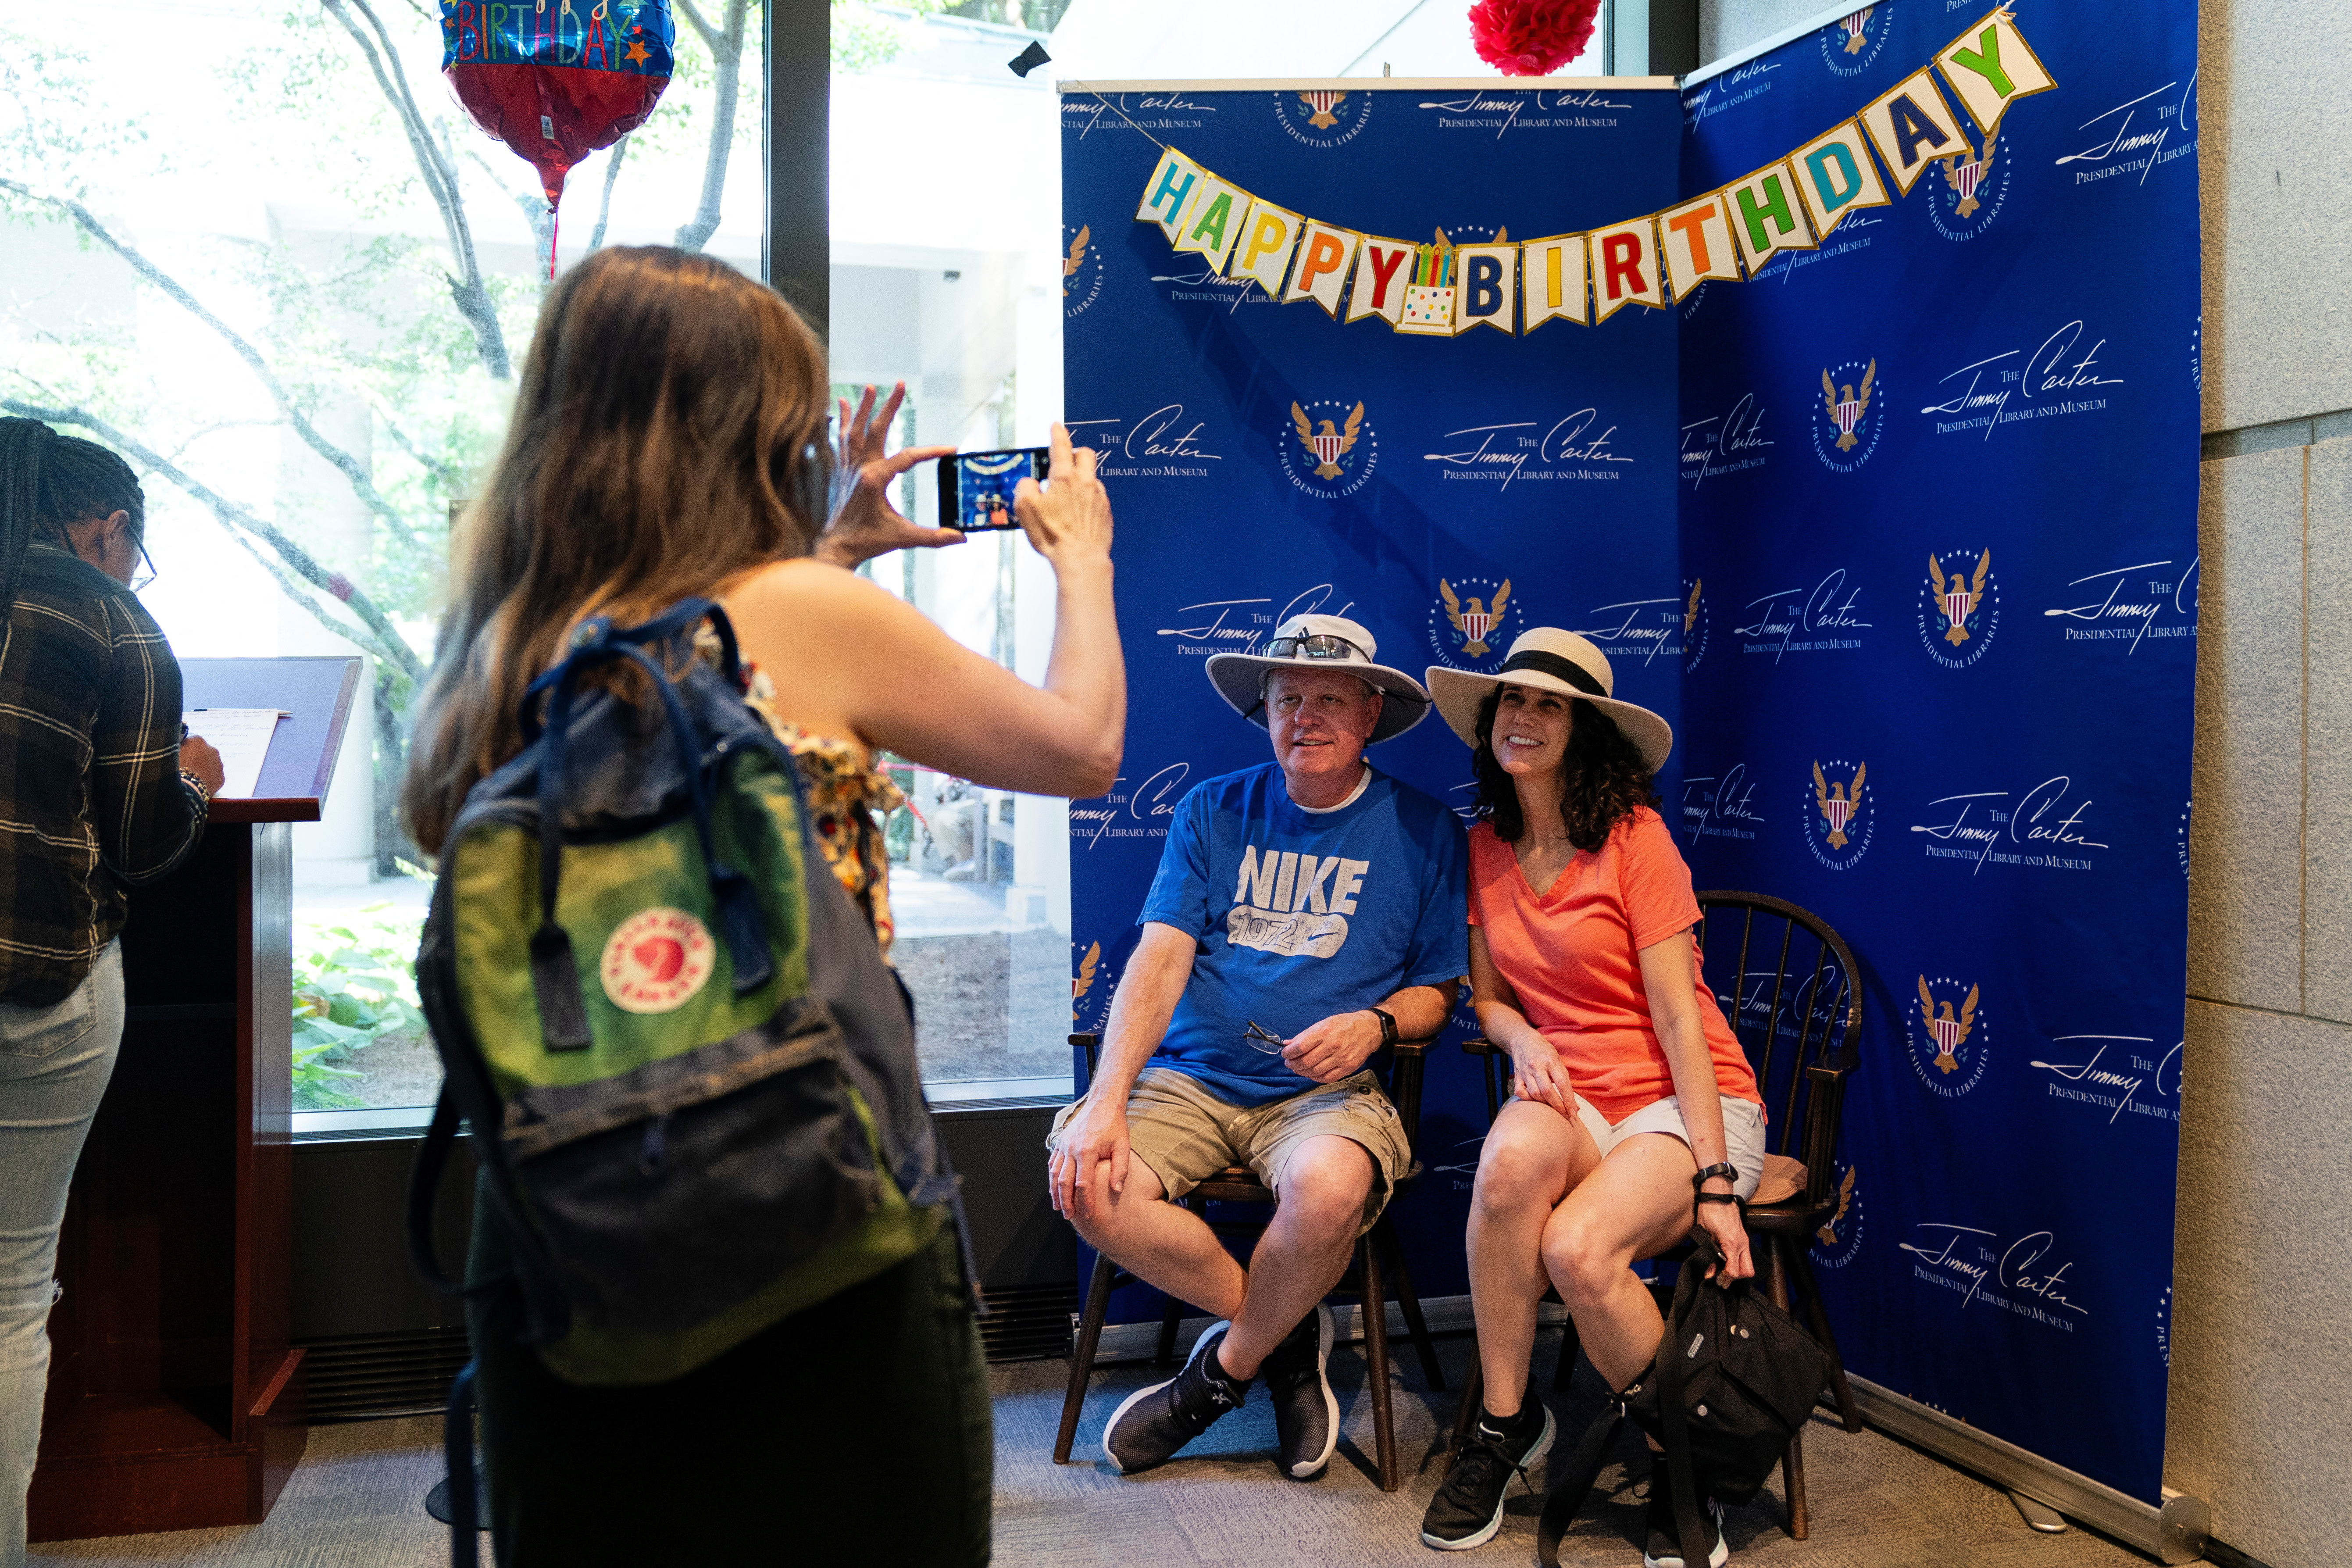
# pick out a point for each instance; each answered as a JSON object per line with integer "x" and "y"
{"x": 357, "y": 1500}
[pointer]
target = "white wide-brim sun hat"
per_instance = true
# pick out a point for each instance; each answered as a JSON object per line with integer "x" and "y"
{"x": 1545, "y": 659}
{"x": 1239, "y": 678}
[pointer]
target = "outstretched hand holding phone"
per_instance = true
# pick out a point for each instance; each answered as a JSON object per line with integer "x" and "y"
{"x": 864, "y": 523}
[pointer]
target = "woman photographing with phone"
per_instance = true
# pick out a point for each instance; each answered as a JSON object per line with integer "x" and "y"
{"x": 1634, "y": 1114}
{"x": 668, "y": 442}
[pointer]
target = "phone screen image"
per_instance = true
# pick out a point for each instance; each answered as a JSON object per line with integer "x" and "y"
{"x": 976, "y": 487}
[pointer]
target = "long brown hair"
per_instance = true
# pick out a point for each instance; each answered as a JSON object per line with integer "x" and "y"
{"x": 1601, "y": 779}
{"x": 666, "y": 437}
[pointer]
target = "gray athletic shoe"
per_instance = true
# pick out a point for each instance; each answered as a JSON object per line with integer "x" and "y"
{"x": 1306, "y": 1413}
{"x": 1153, "y": 1423}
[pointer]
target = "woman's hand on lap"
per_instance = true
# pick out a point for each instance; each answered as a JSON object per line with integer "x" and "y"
{"x": 1541, "y": 1078}
{"x": 864, "y": 524}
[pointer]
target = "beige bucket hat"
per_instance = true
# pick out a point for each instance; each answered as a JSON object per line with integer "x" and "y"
{"x": 1546, "y": 658}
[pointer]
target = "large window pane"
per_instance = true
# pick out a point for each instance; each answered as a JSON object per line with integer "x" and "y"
{"x": 259, "y": 248}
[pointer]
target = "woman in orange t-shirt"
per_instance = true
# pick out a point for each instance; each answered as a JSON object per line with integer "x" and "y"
{"x": 1631, "y": 1094}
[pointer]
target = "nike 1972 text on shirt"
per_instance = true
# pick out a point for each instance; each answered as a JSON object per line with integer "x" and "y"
{"x": 1301, "y": 914}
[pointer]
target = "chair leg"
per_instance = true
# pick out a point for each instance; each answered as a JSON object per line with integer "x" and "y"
{"x": 1082, "y": 1355}
{"x": 1171, "y": 1318}
{"x": 1809, "y": 1292}
{"x": 1409, "y": 1303}
{"x": 1792, "y": 1459}
{"x": 1376, "y": 1364}
{"x": 1473, "y": 1389}
{"x": 1564, "y": 1371}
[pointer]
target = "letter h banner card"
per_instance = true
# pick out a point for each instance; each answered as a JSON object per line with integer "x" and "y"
{"x": 1938, "y": 500}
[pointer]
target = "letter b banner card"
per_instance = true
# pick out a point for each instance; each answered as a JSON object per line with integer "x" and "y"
{"x": 1937, "y": 499}
{"x": 1395, "y": 351}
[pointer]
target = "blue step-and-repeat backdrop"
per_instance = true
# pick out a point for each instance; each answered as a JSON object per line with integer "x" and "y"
{"x": 1847, "y": 399}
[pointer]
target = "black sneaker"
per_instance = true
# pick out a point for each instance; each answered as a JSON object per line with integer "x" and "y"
{"x": 1468, "y": 1507}
{"x": 1305, "y": 1414}
{"x": 1153, "y": 1423}
{"x": 1665, "y": 1546}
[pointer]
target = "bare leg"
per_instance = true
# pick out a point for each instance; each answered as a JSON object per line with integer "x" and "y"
{"x": 1162, "y": 1243}
{"x": 1533, "y": 1156}
{"x": 1637, "y": 1205}
{"x": 1304, "y": 1252}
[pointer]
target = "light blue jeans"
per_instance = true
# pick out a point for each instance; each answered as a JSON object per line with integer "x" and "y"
{"x": 54, "y": 1063}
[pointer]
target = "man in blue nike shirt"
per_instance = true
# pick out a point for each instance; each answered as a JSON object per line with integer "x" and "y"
{"x": 1307, "y": 913}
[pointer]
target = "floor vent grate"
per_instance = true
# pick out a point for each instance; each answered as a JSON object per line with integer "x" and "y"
{"x": 366, "y": 1377}
{"x": 1028, "y": 1322}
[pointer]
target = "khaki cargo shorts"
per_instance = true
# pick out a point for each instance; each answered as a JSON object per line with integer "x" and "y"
{"x": 1187, "y": 1135}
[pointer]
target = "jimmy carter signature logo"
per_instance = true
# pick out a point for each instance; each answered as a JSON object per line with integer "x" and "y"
{"x": 1573, "y": 448}
{"x": 1960, "y": 1257}
{"x": 1694, "y": 624}
{"x": 2113, "y": 1072}
{"x": 2131, "y": 136}
{"x": 1720, "y": 805}
{"x": 1133, "y": 112}
{"x": 1141, "y": 812}
{"x": 1323, "y": 117}
{"x": 1803, "y": 620}
{"x": 1164, "y": 444}
{"x": 1839, "y": 812}
{"x": 2127, "y": 605}
{"x": 2049, "y": 829}
{"x": 1635, "y": 627}
{"x": 1502, "y": 112}
{"x": 1238, "y": 625}
{"x": 1208, "y": 286}
{"x": 1724, "y": 443}
{"x": 2052, "y": 380}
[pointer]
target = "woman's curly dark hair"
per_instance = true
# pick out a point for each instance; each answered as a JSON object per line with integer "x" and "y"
{"x": 1602, "y": 780}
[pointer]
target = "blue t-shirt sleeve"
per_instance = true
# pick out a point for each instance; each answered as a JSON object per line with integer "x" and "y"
{"x": 1179, "y": 891}
{"x": 1440, "y": 949}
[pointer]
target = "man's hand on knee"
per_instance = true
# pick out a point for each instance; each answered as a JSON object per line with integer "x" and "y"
{"x": 1329, "y": 1050}
{"x": 1095, "y": 1137}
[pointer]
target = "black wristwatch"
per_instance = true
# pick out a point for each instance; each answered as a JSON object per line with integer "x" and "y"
{"x": 1388, "y": 1026}
{"x": 1726, "y": 1170}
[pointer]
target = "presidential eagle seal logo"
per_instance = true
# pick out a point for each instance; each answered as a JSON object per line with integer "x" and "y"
{"x": 1695, "y": 625}
{"x": 1082, "y": 270}
{"x": 1330, "y": 450}
{"x": 1971, "y": 189}
{"x": 656, "y": 960}
{"x": 1960, "y": 607}
{"x": 1322, "y": 116}
{"x": 1472, "y": 620}
{"x": 1851, "y": 44}
{"x": 1839, "y": 1240}
{"x": 1846, "y": 423}
{"x": 1949, "y": 1034}
{"x": 1837, "y": 815}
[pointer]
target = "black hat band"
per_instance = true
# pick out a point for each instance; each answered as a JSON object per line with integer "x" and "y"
{"x": 1551, "y": 664}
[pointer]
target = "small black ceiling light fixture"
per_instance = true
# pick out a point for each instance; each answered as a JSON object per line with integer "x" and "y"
{"x": 1028, "y": 60}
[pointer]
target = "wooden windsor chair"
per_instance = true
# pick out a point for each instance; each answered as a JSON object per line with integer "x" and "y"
{"x": 1379, "y": 1262}
{"x": 1800, "y": 1027}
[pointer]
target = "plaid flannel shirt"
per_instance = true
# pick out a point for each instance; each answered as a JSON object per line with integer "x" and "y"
{"x": 91, "y": 795}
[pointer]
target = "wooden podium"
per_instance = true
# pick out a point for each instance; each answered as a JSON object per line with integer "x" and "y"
{"x": 174, "y": 1402}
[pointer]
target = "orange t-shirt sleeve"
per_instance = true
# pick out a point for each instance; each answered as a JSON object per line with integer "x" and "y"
{"x": 1655, "y": 882}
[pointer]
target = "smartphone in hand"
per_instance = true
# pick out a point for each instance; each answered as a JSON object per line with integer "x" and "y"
{"x": 976, "y": 487}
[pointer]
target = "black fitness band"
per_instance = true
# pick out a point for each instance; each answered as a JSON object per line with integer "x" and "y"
{"x": 1388, "y": 1026}
{"x": 1724, "y": 1168}
{"x": 1553, "y": 665}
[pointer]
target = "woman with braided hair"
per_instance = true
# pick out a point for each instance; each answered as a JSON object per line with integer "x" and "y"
{"x": 98, "y": 792}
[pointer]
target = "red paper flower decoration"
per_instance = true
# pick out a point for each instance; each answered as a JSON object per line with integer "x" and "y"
{"x": 1531, "y": 37}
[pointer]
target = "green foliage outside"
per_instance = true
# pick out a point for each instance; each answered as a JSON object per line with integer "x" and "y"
{"x": 354, "y": 986}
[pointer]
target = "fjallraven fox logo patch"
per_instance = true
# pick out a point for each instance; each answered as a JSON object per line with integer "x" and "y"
{"x": 656, "y": 960}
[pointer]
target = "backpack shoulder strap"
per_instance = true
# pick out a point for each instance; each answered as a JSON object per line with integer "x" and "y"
{"x": 1675, "y": 1354}
{"x": 1577, "y": 1474}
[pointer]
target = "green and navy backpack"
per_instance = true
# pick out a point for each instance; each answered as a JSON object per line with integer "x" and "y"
{"x": 690, "y": 1075}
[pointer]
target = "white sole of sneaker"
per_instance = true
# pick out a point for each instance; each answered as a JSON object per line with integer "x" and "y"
{"x": 1327, "y": 1331}
{"x": 1129, "y": 1403}
{"x": 1542, "y": 1447}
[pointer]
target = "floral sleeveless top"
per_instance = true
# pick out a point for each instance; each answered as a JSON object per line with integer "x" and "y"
{"x": 848, "y": 800}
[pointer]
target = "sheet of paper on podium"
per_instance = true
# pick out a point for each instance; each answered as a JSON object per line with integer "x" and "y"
{"x": 241, "y": 736}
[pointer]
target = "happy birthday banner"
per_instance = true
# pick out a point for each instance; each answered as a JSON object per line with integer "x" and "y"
{"x": 1728, "y": 235}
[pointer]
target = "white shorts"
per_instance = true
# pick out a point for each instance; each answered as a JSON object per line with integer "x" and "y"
{"x": 1743, "y": 1133}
